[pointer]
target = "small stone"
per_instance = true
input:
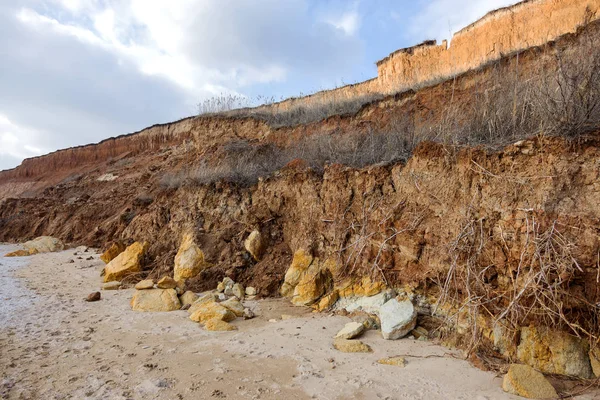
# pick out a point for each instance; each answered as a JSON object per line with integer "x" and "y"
{"x": 397, "y": 361}
{"x": 250, "y": 291}
{"x": 221, "y": 287}
{"x": 113, "y": 285}
{"x": 185, "y": 307}
{"x": 211, "y": 310}
{"x": 286, "y": 317}
{"x": 524, "y": 381}
{"x": 351, "y": 346}
{"x": 93, "y": 297}
{"x": 397, "y": 319}
{"x": 248, "y": 313}
{"x": 145, "y": 284}
{"x": 216, "y": 324}
{"x": 420, "y": 332}
{"x": 234, "y": 306}
{"x": 238, "y": 291}
{"x": 166, "y": 283}
{"x": 351, "y": 330}
{"x": 254, "y": 245}
{"x": 188, "y": 298}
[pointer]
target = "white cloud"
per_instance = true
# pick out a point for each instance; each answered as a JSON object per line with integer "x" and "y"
{"x": 348, "y": 22}
{"x": 16, "y": 141}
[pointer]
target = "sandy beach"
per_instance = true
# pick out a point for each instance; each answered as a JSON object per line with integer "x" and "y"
{"x": 55, "y": 345}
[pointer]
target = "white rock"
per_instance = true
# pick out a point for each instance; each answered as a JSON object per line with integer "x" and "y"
{"x": 351, "y": 330}
{"x": 369, "y": 305}
{"x": 397, "y": 319}
{"x": 250, "y": 291}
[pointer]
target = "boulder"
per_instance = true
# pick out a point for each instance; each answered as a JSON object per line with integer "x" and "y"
{"x": 188, "y": 298}
{"x": 524, "y": 381}
{"x": 351, "y": 330}
{"x": 370, "y": 304}
{"x": 93, "y": 297}
{"x": 218, "y": 325}
{"x": 189, "y": 260}
{"x": 300, "y": 263}
{"x": 113, "y": 251}
{"x": 250, "y": 291}
{"x": 145, "y": 284}
{"x": 166, "y": 282}
{"x": 211, "y": 310}
{"x": 44, "y": 244}
{"x": 254, "y": 244}
{"x": 397, "y": 319}
{"x": 396, "y": 361}
{"x": 351, "y": 346}
{"x": 112, "y": 285}
{"x": 327, "y": 301}
{"x": 126, "y": 263}
{"x": 234, "y": 306}
{"x": 238, "y": 291}
{"x": 554, "y": 352}
{"x": 205, "y": 298}
{"x": 311, "y": 287}
{"x": 155, "y": 300}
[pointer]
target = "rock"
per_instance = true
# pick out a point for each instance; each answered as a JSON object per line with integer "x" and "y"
{"x": 238, "y": 291}
{"x": 189, "y": 260}
{"x": 254, "y": 245}
{"x": 248, "y": 313}
{"x": 113, "y": 251}
{"x": 186, "y": 307}
{"x": 300, "y": 263}
{"x": 351, "y": 330}
{"x": 221, "y": 287}
{"x": 397, "y": 319}
{"x": 595, "y": 361}
{"x": 227, "y": 281}
{"x": 234, "y": 305}
{"x": 126, "y": 263}
{"x": 311, "y": 287}
{"x": 370, "y": 304}
{"x": 420, "y": 332}
{"x": 285, "y": 317}
{"x": 365, "y": 287}
{"x": 145, "y": 284}
{"x": 155, "y": 300}
{"x": 43, "y": 244}
{"x": 166, "y": 282}
{"x": 524, "y": 381}
{"x": 112, "y": 285}
{"x": 218, "y": 325}
{"x": 210, "y": 310}
{"x": 205, "y": 298}
{"x": 93, "y": 297}
{"x": 18, "y": 253}
{"x": 188, "y": 298}
{"x": 554, "y": 352}
{"x": 397, "y": 361}
{"x": 351, "y": 346}
{"x": 327, "y": 301}
{"x": 250, "y": 291}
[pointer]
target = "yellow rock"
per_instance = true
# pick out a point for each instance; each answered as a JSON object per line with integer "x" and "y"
{"x": 113, "y": 251}
{"x": 155, "y": 300}
{"x": 524, "y": 381}
{"x": 234, "y": 306}
{"x": 366, "y": 287}
{"x": 311, "y": 286}
{"x": 397, "y": 361}
{"x": 219, "y": 325}
{"x": 254, "y": 245}
{"x": 18, "y": 253}
{"x": 300, "y": 263}
{"x": 166, "y": 282}
{"x": 554, "y": 352}
{"x": 351, "y": 346}
{"x": 188, "y": 297}
{"x": 211, "y": 310}
{"x": 145, "y": 284}
{"x": 327, "y": 301}
{"x": 189, "y": 260}
{"x": 126, "y": 263}
{"x": 43, "y": 244}
{"x": 206, "y": 298}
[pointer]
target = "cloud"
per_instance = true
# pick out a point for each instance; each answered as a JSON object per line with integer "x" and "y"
{"x": 14, "y": 139}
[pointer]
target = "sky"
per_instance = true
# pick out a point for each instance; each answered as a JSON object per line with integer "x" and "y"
{"x": 74, "y": 72}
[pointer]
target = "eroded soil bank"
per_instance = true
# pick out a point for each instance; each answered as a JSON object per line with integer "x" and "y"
{"x": 54, "y": 345}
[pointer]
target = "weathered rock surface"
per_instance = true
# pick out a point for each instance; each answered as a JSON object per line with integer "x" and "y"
{"x": 524, "y": 381}
{"x": 218, "y": 325}
{"x": 370, "y": 304}
{"x": 189, "y": 260}
{"x": 155, "y": 300}
{"x": 397, "y": 319}
{"x": 93, "y": 297}
{"x": 554, "y": 352}
{"x": 327, "y": 301}
{"x": 254, "y": 244}
{"x": 126, "y": 263}
{"x": 210, "y": 310}
{"x": 350, "y": 331}
{"x": 18, "y": 253}
{"x": 113, "y": 251}
{"x": 351, "y": 346}
{"x": 300, "y": 263}
{"x": 145, "y": 284}
{"x": 43, "y": 244}
{"x": 188, "y": 298}
{"x": 396, "y": 361}
{"x": 234, "y": 306}
{"x": 112, "y": 285}
{"x": 205, "y": 298}
{"x": 166, "y": 282}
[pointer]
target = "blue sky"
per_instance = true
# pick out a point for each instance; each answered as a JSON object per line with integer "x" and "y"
{"x": 78, "y": 71}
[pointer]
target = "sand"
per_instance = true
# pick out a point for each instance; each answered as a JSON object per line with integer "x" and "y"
{"x": 54, "y": 345}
